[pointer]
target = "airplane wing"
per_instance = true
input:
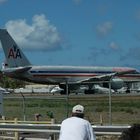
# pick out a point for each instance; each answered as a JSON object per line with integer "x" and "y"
{"x": 105, "y": 77}
{"x": 98, "y": 78}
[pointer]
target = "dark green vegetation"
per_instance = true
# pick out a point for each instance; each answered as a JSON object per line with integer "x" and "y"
{"x": 7, "y": 82}
{"x": 125, "y": 109}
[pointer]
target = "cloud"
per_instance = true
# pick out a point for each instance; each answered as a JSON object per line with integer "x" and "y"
{"x": 104, "y": 29}
{"x": 40, "y": 35}
{"x": 114, "y": 46}
{"x": 77, "y": 2}
{"x": 2, "y": 1}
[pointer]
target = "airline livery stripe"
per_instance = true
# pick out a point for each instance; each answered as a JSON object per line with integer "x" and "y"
{"x": 80, "y": 75}
{"x": 130, "y": 76}
{"x": 76, "y": 72}
{"x": 66, "y": 75}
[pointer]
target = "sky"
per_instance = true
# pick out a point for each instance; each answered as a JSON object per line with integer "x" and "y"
{"x": 75, "y": 32}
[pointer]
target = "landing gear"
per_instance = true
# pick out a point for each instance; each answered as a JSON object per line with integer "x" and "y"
{"x": 63, "y": 92}
{"x": 92, "y": 91}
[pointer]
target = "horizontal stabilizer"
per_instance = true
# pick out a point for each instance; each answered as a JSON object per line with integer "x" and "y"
{"x": 16, "y": 70}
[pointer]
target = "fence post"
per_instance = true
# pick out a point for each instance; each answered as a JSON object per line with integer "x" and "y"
{"x": 101, "y": 119}
{"x": 52, "y": 121}
{"x": 16, "y": 133}
{"x": 52, "y": 136}
{"x": 3, "y": 120}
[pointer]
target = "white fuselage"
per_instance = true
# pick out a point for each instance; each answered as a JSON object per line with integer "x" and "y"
{"x": 71, "y": 74}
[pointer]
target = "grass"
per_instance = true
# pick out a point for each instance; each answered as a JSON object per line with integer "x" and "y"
{"x": 125, "y": 110}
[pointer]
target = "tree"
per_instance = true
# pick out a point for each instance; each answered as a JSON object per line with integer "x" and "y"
{"x": 7, "y": 82}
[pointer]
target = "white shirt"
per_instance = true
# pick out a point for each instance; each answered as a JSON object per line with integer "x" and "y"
{"x": 75, "y": 128}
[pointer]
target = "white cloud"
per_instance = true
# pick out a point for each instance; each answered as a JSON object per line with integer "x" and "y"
{"x": 104, "y": 29}
{"x": 40, "y": 35}
{"x": 2, "y": 1}
{"x": 77, "y": 1}
{"x": 114, "y": 46}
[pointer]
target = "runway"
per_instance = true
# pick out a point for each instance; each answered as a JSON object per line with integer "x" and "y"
{"x": 71, "y": 96}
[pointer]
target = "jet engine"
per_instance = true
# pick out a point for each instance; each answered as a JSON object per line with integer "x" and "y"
{"x": 116, "y": 83}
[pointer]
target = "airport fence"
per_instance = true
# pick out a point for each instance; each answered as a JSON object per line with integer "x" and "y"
{"x": 14, "y": 129}
{"x": 46, "y": 130}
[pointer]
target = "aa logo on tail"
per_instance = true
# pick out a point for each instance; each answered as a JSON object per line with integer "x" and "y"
{"x": 14, "y": 53}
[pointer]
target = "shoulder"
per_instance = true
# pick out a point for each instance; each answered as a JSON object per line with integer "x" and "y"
{"x": 67, "y": 120}
{"x": 82, "y": 121}
{"x": 75, "y": 119}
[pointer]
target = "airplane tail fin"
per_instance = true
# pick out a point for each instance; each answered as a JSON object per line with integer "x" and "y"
{"x": 14, "y": 56}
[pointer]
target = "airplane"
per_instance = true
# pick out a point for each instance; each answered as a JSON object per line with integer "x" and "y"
{"x": 4, "y": 91}
{"x": 102, "y": 90}
{"x": 18, "y": 66}
{"x": 97, "y": 88}
{"x": 56, "y": 89}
